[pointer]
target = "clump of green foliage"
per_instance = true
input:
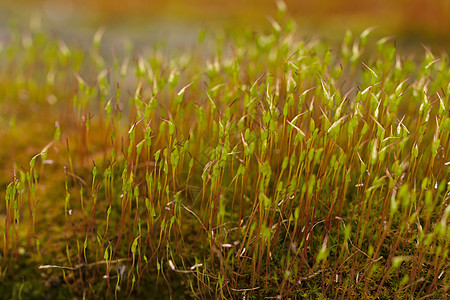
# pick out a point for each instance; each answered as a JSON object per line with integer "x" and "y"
{"x": 255, "y": 165}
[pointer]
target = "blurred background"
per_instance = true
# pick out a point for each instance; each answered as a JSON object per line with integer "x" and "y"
{"x": 412, "y": 21}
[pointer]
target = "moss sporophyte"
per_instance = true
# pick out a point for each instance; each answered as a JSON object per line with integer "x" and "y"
{"x": 259, "y": 164}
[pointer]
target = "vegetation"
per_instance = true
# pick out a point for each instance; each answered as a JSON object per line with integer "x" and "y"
{"x": 255, "y": 165}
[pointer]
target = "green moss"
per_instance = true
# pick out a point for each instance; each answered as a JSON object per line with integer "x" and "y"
{"x": 279, "y": 168}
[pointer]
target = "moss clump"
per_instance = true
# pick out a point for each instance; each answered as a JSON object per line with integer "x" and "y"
{"x": 259, "y": 165}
